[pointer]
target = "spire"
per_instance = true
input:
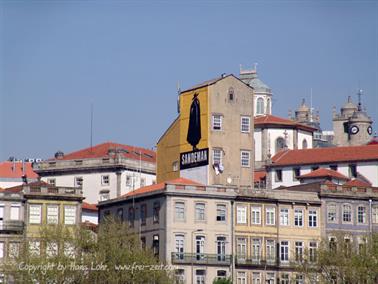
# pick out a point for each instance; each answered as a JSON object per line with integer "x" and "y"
{"x": 359, "y": 100}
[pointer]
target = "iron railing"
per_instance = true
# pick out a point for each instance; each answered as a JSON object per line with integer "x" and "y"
{"x": 201, "y": 258}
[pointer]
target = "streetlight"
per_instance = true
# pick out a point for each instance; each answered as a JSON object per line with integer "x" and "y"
{"x": 191, "y": 250}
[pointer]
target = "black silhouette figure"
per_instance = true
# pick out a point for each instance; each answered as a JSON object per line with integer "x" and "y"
{"x": 194, "y": 130}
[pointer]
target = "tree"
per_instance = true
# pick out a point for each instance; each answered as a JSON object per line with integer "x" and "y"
{"x": 222, "y": 281}
{"x": 67, "y": 255}
{"x": 340, "y": 259}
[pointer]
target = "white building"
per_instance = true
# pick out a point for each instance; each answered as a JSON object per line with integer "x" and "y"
{"x": 89, "y": 213}
{"x": 103, "y": 171}
{"x": 16, "y": 173}
{"x": 273, "y": 134}
{"x": 353, "y": 162}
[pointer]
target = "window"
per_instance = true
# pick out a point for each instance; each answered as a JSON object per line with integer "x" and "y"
{"x": 299, "y": 279}
{"x": 69, "y": 215}
{"x": 361, "y": 214}
{"x": 256, "y": 215}
{"x": 129, "y": 180}
{"x": 51, "y": 249}
{"x": 314, "y": 168}
{"x": 231, "y": 94}
{"x": 155, "y": 245}
{"x": 270, "y": 277}
{"x": 245, "y": 158}
{"x": 280, "y": 144}
{"x": 256, "y": 250}
{"x": 241, "y": 248}
{"x": 131, "y": 217}
{"x": 221, "y": 248}
{"x": 312, "y": 218}
{"x": 331, "y": 213}
{"x": 156, "y": 212}
{"x": 143, "y": 214}
{"x": 296, "y": 173}
{"x": 105, "y": 180}
{"x": 78, "y": 181}
{"x": 333, "y": 167}
{"x": 120, "y": 214}
{"x": 375, "y": 214}
{"x": 270, "y": 251}
{"x": 15, "y": 212}
{"x": 284, "y": 216}
{"x": 260, "y": 106}
{"x": 179, "y": 246}
{"x": 142, "y": 182}
{"x": 1, "y": 215}
{"x": 180, "y": 276}
{"x": 347, "y": 213}
{"x": 298, "y": 251}
{"x": 13, "y": 249}
{"x": 285, "y": 279}
{"x": 51, "y": 181}
{"x": 313, "y": 251}
{"x": 52, "y": 214}
{"x": 175, "y": 166}
{"x": 217, "y": 156}
{"x": 221, "y": 274}
{"x": 1, "y": 249}
{"x": 270, "y": 216}
{"x": 200, "y": 247}
{"x": 284, "y": 250}
{"x": 200, "y": 212}
{"x": 34, "y": 248}
{"x": 68, "y": 249}
{"x": 332, "y": 244}
{"x": 256, "y": 278}
{"x": 298, "y": 217}
{"x": 245, "y": 123}
{"x": 304, "y": 144}
{"x": 143, "y": 242}
{"x": 200, "y": 276}
{"x": 241, "y": 215}
{"x": 278, "y": 175}
{"x": 221, "y": 212}
{"x": 217, "y": 122}
{"x": 241, "y": 278}
{"x": 35, "y": 214}
{"x": 353, "y": 170}
{"x": 180, "y": 211}
{"x": 104, "y": 195}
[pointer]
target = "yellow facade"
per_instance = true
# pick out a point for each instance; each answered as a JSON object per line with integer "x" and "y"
{"x": 173, "y": 142}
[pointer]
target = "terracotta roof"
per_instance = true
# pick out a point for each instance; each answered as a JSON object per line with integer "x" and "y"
{"x": 266, "y": 120}
{"x": 89, "y": 206}
{"x": 14, "y": 170}
{"x": 158, "y": 186}
{"x": 102, "y": 150}
{"x": 259, "y": 175}
{"x": 325, "y": 155}
{"x": 322, "y": 172}
{"x": 357, "y": 183}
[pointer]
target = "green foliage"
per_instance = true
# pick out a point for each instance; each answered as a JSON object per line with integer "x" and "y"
{"x": 114, "y": 255}
{"x": 222, "y": 281}
{"x": 345, "y": 260}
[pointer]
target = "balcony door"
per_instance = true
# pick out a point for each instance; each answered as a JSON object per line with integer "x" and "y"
{"x": 221, "y": 248}
{"x": 179, "y": 249}
{"x": 200, "y": 246}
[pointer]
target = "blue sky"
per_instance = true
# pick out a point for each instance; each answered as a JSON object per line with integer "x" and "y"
{"x": 126, "y": 57}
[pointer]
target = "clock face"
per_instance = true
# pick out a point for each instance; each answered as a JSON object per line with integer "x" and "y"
{"x": 370, "y": 130}
{"x": 354, "y": 129}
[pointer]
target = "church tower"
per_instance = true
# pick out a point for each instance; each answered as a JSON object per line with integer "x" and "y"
{"x": 263, "y": 94}
{"x": 352, "y": 126}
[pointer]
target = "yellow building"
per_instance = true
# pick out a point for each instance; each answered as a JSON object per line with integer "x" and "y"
{"x": 274, "y": 231}
{"x": 211, "y": 140}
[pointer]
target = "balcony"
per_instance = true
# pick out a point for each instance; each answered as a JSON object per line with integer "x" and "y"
{"x": 201, "y": 258}
{"x": 12, "y": 226}
{"x": 257, "y": 262}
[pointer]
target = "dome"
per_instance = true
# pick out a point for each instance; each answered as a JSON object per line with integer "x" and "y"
{"x": 349, "y": 105}
{"x": 303, "y": 107}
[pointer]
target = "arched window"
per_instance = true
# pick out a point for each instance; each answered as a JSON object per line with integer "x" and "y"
{"x": 280, "y": 144}
{"x": 260, "y": 106}
{"x": 268, "y": 106}
{"x": 231, "y": 94}
{"x": 304, "y": 144}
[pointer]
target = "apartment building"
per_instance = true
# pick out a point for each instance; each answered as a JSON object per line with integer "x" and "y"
{"x": 13, "y": 173}
{"x": 185, "y": 223}
{"x": 359, "y": 162}
{"x": 103, "y": 171}
{"x": 211, "y": 140}
{"x": 273, "y": 229}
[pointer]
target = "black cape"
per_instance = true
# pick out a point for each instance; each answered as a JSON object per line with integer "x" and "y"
{"x": 194, "y": 129}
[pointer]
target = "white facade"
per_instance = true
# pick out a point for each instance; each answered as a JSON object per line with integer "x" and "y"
{"x": 94, "y": 187}
{"x": 368, "y": 169}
